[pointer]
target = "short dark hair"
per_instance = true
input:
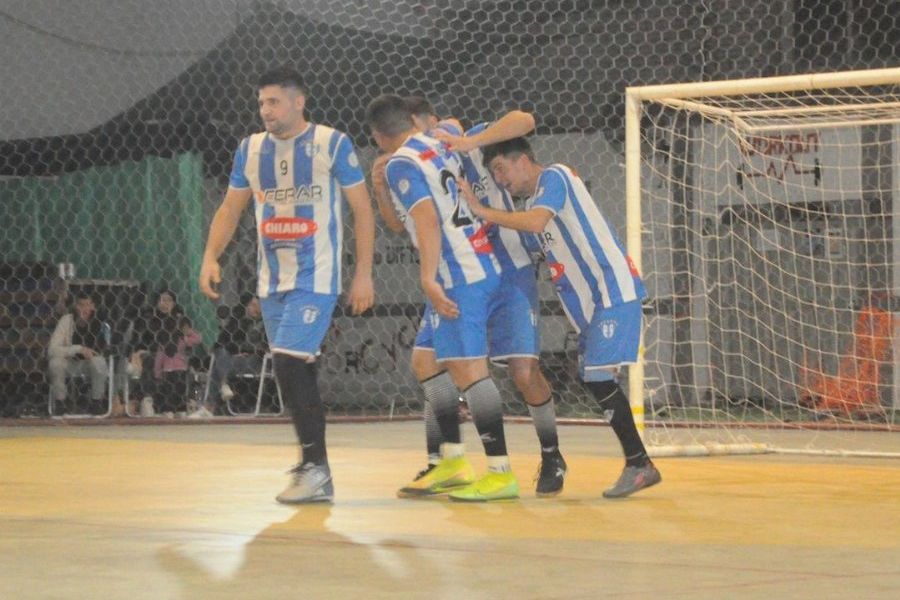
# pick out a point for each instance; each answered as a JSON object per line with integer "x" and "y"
{"x": 285, "y": 77}
{"x": 389, "y": 115}
{"x": 419, "y": 105}
{"x": 511, "y": 148}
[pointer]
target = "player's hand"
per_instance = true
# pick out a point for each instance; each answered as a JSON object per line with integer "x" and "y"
{"x": 444, "y": 306}
{"x": 362, "y": 293}
{"x": 475, "y": 205}
{"x": 456, "y": 143}
{"x": 378, "y": 177}
{"x": 87, "y": 353}
{"x": 210, "y": 278}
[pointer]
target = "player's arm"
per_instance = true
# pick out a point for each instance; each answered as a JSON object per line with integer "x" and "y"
{"x": 362, "y": 291}
{"x": 221, "y": 230}
{"x": 511, "y": 125}
{"x": 408, "y": 184}
{"x": 428, "y": 237}
{"x": 534, "y": 219}
{"x": 345, "y": 167}
{"x": 382, "y": 195}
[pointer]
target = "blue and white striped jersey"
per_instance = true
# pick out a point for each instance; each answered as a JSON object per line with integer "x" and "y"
{"x": 509, "y": 244}
{"x": 424, "y": 170}
{"x": 296, "y": 185}
{"x": 587, "y": 262}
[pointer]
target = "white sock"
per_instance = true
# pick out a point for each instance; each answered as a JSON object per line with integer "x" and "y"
{"x": 498, "y": 464}
{"x": 450, "y": 450}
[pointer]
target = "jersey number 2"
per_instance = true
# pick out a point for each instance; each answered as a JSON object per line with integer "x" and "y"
{"x": 461, "y": 215}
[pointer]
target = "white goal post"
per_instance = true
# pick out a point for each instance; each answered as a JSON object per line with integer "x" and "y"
{"x": 765, "y": 220}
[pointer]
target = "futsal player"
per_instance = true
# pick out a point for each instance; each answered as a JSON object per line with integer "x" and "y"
{"x": 513, "y": 333}
{"x": 297, "y": 174}
{"x": 460, "y": 275}
{"x": 597, "y": 284}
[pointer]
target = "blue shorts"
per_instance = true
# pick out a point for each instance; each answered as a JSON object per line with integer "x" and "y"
{"x": 512, "y": 324}
{"x": 297, "y": 321}
{"x": 612, "y": 339}
{"x": 466, "y": 337}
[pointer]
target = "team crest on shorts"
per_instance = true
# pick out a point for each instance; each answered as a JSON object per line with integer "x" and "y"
{"x": 608, "y": 328}
{"x": 309, "y": 314}
{"x": 435, "y": 320}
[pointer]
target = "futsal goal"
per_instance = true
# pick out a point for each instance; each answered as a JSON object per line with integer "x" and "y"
{"x": 763, "y": 214}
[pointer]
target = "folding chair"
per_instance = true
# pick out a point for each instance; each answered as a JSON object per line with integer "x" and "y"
{"x": 264, "y": 374}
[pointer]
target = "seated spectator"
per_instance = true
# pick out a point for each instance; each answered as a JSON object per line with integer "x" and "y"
{"x": 239, "y": 350}
{"x": 76, "y": 349}
{"x": 153, "y": 329}
{"x": 170, "y": 366}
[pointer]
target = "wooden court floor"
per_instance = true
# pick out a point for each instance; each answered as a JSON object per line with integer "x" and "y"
{"x": 189, "y": 512}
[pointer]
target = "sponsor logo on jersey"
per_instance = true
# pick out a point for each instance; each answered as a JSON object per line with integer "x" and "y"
{"x": 311, "y": 149}
{"x": 479, "y": 188}
{"x": 287, "y": 228}
{"x": 304, "y": 194}
{"x": 557, "y": 270}
{"x": 481, "y": 241}
{"x": 428, "y": 154}
{"x": 546, "y": 240}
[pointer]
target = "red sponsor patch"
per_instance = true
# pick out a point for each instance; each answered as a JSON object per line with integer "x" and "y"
{"x": 557, "y": 270}
{"x": 480, "y": 241}
{"x": 428, "y": 154}
{"x": 287, "y": 228}
{"x": 631, "y": 267}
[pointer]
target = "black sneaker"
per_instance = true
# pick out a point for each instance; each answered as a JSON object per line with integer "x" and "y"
{"x": 633, "y": 479}
{"x": 550, "y": 476}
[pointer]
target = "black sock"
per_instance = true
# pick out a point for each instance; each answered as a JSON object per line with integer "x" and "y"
{"x": 486, "y": 407}
{"x": 444, "y": 398}
{"x": 300, "y": 391}
{"x": 433, "y": 437}
{"x": 612, "y": 400}
{"x": 544, "y": 418}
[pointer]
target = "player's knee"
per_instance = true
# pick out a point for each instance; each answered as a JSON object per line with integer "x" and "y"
{"x": 295, "y": 375}
{"x": 526, "y": 375}
{"x": 604, "y": 392}
{"x": 523, "y": 375}
{"x": 424, "y": 365}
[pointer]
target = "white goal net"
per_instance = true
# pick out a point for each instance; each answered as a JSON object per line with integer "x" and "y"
{"x": 769, "y": 245}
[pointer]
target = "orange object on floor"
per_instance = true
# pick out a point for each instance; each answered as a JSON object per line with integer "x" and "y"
{"x": 854, "y": 389}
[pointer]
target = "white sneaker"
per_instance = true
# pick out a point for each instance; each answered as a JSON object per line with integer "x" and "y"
{"x": 309, "y": 483}
{"x": 147, "y": 407}
{"x": 227, "y": 392}
{"x": 201, "y": 413}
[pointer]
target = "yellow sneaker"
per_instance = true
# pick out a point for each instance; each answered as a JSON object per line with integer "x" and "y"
{"x": 492, "y": 486}
{"x": 449, "y": 474}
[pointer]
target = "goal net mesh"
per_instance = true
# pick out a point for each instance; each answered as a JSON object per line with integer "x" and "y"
{"x": 768, "y": 246}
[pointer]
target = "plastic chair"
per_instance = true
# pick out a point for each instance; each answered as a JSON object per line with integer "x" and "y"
{"x": 265, "y": 373}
